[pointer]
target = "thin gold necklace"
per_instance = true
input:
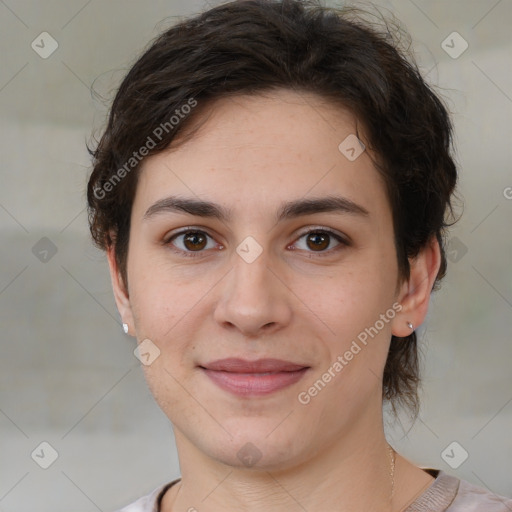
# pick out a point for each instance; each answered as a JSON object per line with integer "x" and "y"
{"x": 392, "y": 456}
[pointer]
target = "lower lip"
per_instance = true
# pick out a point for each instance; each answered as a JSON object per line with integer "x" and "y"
{"x": 254, "y": 384}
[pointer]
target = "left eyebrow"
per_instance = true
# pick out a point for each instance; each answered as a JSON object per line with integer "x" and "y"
{"x": 288, "y": 210}
{"x": 336, "y": 204}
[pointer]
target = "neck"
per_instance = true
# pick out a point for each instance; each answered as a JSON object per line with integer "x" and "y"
{"x": 338, "y": 477}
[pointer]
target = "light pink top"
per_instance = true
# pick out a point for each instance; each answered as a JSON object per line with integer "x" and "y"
{"x": 445, "y": 494}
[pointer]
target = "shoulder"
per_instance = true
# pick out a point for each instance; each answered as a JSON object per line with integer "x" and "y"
{"x": 150, "y": 502}
{"x": 472, "y": 498}
{"x": 450, "y": 494}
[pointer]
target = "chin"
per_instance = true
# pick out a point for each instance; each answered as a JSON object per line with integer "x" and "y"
{"x": 257, "y": 445}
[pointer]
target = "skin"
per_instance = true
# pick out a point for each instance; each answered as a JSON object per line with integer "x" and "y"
{"x": 294, "y": 302}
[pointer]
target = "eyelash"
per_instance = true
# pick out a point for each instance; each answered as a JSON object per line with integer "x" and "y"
{"x": 194, "y": 254}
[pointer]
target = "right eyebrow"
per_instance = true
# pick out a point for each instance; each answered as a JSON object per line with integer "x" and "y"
{"x": 191, "y": 206}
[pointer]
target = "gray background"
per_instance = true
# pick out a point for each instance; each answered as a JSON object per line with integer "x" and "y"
{"x": 68, "y": 375}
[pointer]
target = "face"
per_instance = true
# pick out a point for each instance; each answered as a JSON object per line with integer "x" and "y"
{"x": 292, "y": 258}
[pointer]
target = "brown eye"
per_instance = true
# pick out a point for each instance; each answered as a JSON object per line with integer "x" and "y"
{"x": 194, "y": 240}
{"x": 191, "y": 243}
{"x": 321, "y": 241}
{"x": 318, "y": 241}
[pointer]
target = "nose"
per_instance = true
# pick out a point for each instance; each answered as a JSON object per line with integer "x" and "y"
{"x": 254, "y": 298}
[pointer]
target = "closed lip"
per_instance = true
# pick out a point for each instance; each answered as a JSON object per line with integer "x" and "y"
{"x": 267, "y": 365}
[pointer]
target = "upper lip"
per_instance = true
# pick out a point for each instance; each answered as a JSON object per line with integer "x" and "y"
{"x": 236, "y": 365}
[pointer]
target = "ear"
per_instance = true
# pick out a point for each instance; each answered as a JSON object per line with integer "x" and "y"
{"x": 415, "y": 292}
{"x": 120, "y": 291}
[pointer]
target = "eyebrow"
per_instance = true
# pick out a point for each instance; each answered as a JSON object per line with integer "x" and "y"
{"x": 287, "y": 210}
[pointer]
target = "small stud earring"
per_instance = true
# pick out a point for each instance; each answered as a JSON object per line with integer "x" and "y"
{"x": 410, "y": 325}
{"x": 125, "y": 328}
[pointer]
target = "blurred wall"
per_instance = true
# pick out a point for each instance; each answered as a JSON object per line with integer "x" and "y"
{"x": 68, "y": 376}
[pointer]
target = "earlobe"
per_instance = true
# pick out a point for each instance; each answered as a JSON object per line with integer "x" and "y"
{"x": 414, "y": 295}
{"x": 120, "y": 290}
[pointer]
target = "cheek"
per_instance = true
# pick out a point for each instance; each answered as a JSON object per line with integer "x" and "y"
{"x": 349, "y": 300}
{"x": 351, "y": 305}
{"x": 170, "y": 311}
{"x": 164, "y": 314}
{"x": 159, "y": 297}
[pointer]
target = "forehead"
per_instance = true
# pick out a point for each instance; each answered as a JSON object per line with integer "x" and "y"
{"x": 261, "y": 149}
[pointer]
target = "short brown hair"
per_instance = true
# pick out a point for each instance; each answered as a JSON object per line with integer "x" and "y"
{"x": 252, "y": 46}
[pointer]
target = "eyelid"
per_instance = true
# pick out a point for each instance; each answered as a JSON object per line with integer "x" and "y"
{"x": 185, "y": 229}
{"x": 314, "y": 229}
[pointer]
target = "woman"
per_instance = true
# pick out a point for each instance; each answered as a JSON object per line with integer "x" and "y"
{"x": 272, "y": 190}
